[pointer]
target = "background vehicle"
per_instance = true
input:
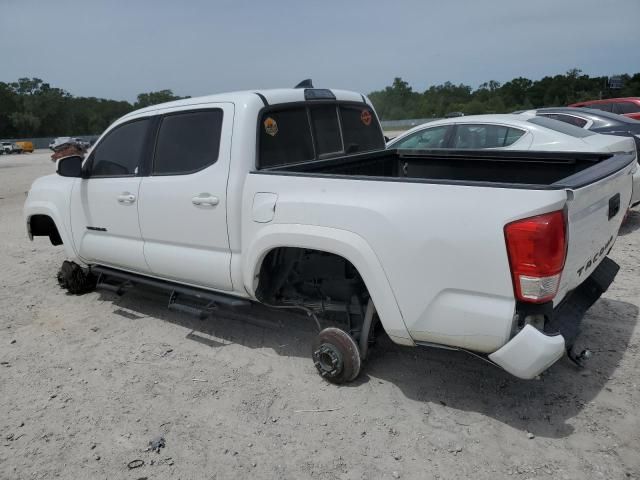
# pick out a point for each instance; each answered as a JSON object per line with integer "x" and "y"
{"x": 10, "y": 147}
{"x": 600, "y": 122}
{"x": 504, "y": 132}
{"x": 306, "y": 210}
{"x": 25, "y": 146}
{"x": 82, "y": 143}
{"x": 68, "y": 140}
{"x": 595, "y": 120}
{"x": 627, "y": 106}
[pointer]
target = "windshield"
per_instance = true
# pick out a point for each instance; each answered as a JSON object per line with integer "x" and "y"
{"x": 561, "y": 127}
{"x": 315, "y": 130}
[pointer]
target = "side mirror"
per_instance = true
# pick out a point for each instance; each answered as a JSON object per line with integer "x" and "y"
{"x": 70, "y": 166}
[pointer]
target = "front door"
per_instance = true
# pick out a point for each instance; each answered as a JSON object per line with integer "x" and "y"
{"x": 104, "y": 207}
{"x": 183, "y": 202}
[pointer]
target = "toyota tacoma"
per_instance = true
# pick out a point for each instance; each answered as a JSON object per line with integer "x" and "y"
{"x": 288, "y": 197}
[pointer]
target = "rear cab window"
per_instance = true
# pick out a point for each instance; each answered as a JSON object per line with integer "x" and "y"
{"x": 316, "y": 130}
{"x": 360, "y": 129}
{"x": 326, "y": 129}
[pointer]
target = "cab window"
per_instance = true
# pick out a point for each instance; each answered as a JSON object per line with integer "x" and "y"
{"x": 326, "y": 129}
{"x": 310, "y": 131}
{"x": 187, "y": 142}
{"x": 360, "y": 129}
{"x": 285, "y": 137}
{"x": 119, "y": 153}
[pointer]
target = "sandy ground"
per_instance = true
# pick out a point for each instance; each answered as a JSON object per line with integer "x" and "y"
{"x": 87, "y": 381}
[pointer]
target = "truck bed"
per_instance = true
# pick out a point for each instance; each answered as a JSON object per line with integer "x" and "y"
{"x": 512, "y": 169}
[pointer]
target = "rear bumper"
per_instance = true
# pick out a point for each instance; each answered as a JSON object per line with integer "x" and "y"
{"x": 531, "y": 351}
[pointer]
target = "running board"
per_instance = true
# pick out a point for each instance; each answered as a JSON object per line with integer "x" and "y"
{"x": 190, "y": 305}
{"x": 195, "y": 301}
{"x": 118, "y": 287}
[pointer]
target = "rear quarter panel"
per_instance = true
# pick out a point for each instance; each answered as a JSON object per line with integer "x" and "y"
{"x": 441, "y": 247}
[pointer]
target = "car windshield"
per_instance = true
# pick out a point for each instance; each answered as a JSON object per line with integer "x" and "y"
{"x": 560, "y": 127}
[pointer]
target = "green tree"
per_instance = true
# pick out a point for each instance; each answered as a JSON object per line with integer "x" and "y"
{"x": 30, "y": 107}
{"x": 396, "y": 101}
{"x": 154, "y": 98}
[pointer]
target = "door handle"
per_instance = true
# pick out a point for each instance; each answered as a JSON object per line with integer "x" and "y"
{"x": 205, "y": 200}
{"x": 127, "y": 198}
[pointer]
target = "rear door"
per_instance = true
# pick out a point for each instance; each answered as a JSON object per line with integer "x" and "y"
{"x": 594, "y": 215}
{"x": 183, "y": 201}
{"x": 104, "y": 207}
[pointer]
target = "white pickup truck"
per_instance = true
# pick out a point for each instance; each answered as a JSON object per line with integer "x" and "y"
{"x": 287, "y": 197}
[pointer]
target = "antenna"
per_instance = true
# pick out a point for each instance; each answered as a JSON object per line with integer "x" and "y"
{"x": 307, "y": 83}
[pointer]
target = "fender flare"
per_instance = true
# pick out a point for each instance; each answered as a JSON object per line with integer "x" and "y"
{"x": 344, "y": 243}
{"x": 50, "y": 210}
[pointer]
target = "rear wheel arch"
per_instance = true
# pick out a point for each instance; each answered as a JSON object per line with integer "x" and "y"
{"x": 275, "y": 261}
{"x": 334, "y": 242}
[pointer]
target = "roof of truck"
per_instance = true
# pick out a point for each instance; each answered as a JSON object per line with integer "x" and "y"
{"x": 273, "y": 96}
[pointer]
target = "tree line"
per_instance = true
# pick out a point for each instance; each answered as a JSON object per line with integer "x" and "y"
{"x": 400, "y": 101}
{"x": 31, "y": 107}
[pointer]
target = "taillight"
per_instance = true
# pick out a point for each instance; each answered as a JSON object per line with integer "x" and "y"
{"x": 537, "y": 251}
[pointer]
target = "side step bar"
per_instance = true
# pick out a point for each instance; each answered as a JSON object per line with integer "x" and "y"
{"x": 182, "y": 298}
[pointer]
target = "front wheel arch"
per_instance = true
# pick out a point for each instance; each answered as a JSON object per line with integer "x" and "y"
{"x": 43, "y": 226}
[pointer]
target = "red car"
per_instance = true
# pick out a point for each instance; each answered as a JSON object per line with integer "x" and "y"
{"x": 629, "y": 106}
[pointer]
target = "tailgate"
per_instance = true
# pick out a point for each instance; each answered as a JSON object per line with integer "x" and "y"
{"x": 594, "y": 215}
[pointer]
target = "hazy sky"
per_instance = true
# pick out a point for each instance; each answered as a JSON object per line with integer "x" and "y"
{"x": 117, "y": 49}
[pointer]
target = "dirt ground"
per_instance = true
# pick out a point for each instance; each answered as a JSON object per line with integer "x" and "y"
{"x": 87, "y": 381}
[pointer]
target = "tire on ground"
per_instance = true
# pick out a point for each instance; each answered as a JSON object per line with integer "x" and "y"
{"x": 74, "y": 279}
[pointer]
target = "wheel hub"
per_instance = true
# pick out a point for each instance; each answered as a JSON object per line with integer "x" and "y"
{"x": 328, "y": 360}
